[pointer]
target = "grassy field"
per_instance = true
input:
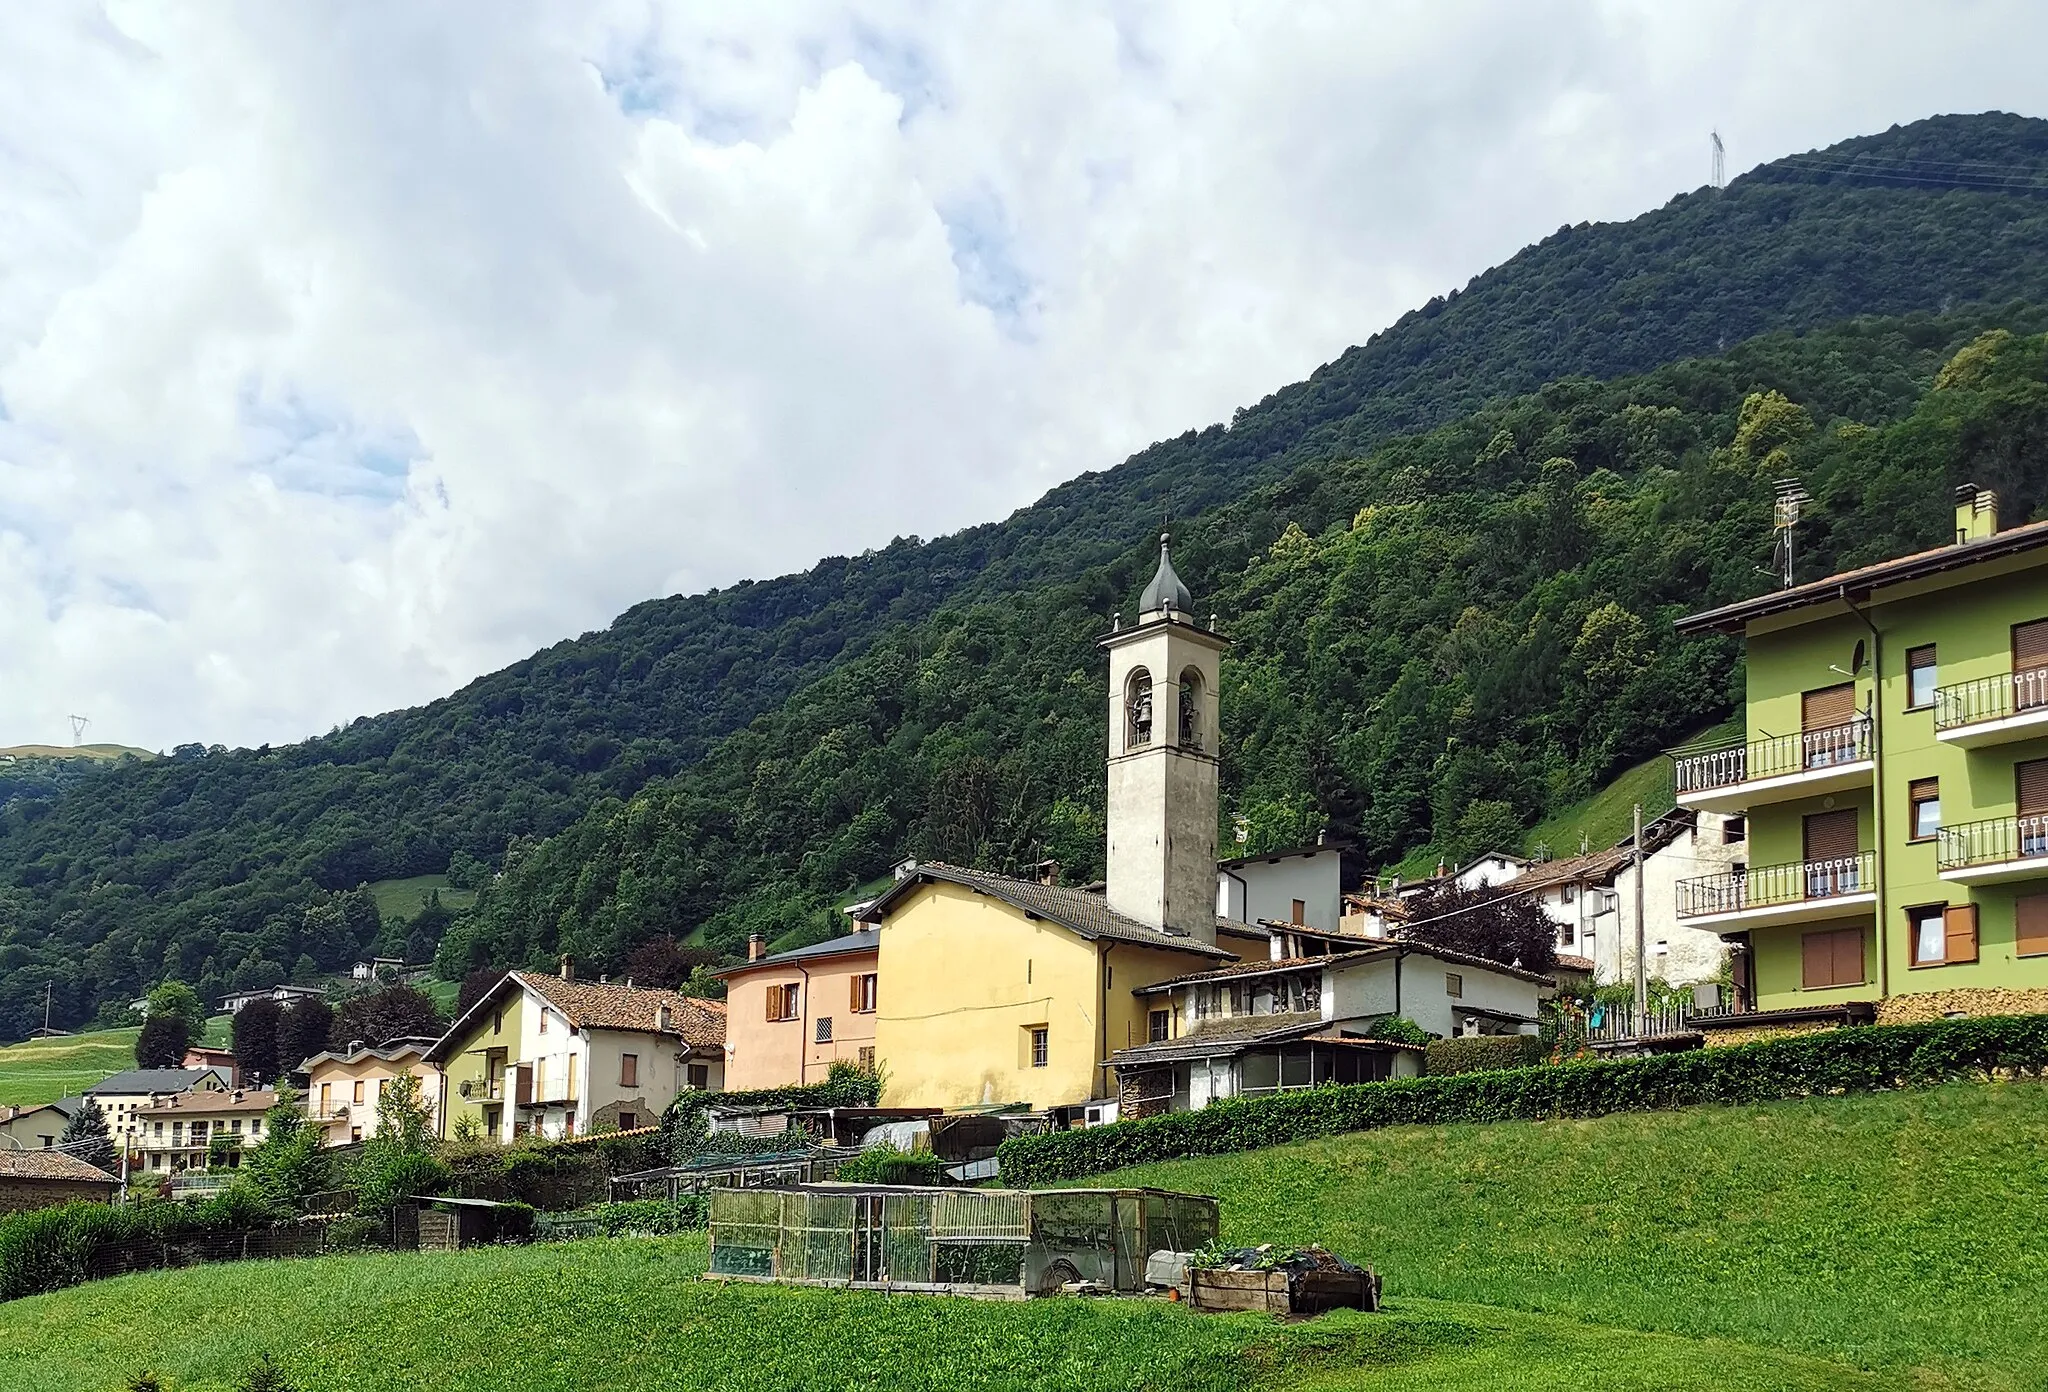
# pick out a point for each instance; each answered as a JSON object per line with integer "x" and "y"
{"x": 1904, "y": 1232}
{"x": 402, "y": 899}
{"x": 43, "y": 1070}
{"x": 627, "y": 1313}
{"x": 99, "y": 753}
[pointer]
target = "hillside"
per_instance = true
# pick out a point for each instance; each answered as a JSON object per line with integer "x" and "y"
{"x": 1874, "y": 1242}
{"x": 1438, "y": 644}
{"x": 94, "y": 753}
{"x": 215, "y": 857}
{"x": 43, "y": 1070}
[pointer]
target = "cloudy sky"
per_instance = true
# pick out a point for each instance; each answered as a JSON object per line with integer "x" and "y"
{"x": 348, "y": 351}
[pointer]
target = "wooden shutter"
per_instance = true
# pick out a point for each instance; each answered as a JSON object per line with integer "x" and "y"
{"x": 1922, "y": 788}
{"x": 2030, "y": 925}
{"x": 1817, "y": 964}
{"x": 1848, "y": 957}
{"x": 1961, "y": 924}
{"x": 1832, "y": 835}
{"x": 2030, "y": 645}
{"x": 2032, "y": 780}
{"x": 1831, "y": 706}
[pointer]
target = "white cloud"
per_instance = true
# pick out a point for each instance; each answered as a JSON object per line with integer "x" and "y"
{"x": 349, "y": 351}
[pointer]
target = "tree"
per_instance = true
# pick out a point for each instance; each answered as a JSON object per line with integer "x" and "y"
{"x": 666, "y": 963}
{"x": 1499, "y": 925}
{"x": 303, "y": 1032}
{"x": 288, "y": 1164}
{"x": 258, "y": 1036}
{"x": 87, "y": 1137}
{"x": 398, "y": 1159}
{"x": 176, "y": 999}
{"x": 476, "y": 986}
{"x": 379, "y": 1017}
{"x": 163, "y": 1042}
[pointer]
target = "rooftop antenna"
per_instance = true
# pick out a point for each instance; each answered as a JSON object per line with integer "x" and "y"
{"x": 78, "y": 724}
{"x": 1789, "y": 497}
{"x": 1720, "y": 161}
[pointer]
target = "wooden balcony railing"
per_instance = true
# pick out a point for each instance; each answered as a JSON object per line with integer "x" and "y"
{"x": 1990, "y": 698}
{"x": 1767, "y": 886}
{"x": 1772, "y": 758}
{"x": 1998, "y": 841}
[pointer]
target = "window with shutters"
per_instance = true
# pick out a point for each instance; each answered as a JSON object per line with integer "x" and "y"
{"x": 1832, "y": 842}
{"x": 2030, "y": 925}
{"x": 1923, "y": 803}
{"x": 700, "y": 1078}
{"x": 629, "y": 1070}
{"x": 1454, "y": 985}
{"x": 2030, "y": 781}
{"x": 1827, "y": 735}
{"x": 1928, "y": 924}
{"x": 782, "y": 1002}
{"x": 2030, "y": 665}
{"x": 1831, "y": 957}
{"x": 1920, "y": 677}
{"x": 864, "y": 994}
{"x": 1960, "y": 938}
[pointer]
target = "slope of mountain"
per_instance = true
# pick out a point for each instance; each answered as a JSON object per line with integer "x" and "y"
{"x": 205, "y": 863}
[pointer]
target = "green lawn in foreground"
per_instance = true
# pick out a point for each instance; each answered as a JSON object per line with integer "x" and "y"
{"x": 631, "y": 1314}
{"x": 1899, "y": 1231}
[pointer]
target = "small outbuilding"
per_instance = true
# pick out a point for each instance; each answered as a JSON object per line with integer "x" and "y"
{"x": 993, "y": 1243}
{"x": 44, "y": 1178}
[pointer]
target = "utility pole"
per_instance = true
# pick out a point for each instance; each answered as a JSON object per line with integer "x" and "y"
{"x": 1642, "y": 971}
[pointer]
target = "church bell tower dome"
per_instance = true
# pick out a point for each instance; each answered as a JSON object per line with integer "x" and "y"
{"x": 1166, "y": 592}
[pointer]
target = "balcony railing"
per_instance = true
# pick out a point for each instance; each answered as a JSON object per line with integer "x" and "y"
{"x": 1990, "y": 698}
{"x": 1998, "y": 841}
{"x": 1768, "y": 886}
{"x": 322, "y": 1116}
{"x": 1772, "y": 758}
{"x": 481, "y": 1089}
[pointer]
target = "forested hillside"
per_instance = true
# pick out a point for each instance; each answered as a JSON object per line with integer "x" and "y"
{"x": 208, "y": 864}
{"x": 1435, "y": 643}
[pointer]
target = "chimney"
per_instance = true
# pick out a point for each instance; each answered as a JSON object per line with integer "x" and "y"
{"x": 757, "y": 947}
{"x": 1048, "y": 872}
{"x": 568, "y": 967}
{"x": 1976, "y": 513}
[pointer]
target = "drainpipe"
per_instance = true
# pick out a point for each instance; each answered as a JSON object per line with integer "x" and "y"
{"x": 1398, "y": 955}
{"x": 1884, "y": 956}
{"x": 1102, "y": 1020}
{"x": 803, "y": 1040}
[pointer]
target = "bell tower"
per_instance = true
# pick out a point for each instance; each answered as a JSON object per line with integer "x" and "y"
{"x": 1163, "y": 747}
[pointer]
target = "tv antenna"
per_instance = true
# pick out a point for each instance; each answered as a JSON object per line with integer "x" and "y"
{"x": 1789, "y": 496}
{"x": 1720, "y": 160}
{"x": 78, "y": 724}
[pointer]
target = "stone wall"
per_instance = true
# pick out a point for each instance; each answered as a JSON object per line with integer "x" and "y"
{"x": 1728, "y": 1038}
{"x": 1922, "y": 1006}
{"x": 1144, "y": 1094}
{"x": 20, "y": 1195}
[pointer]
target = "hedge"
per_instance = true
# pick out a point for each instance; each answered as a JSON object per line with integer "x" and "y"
{"x": 47, "y": 1249}
{"x": 1867, "y": 1059}
{"x": 1483, "y": 1053}
{"x": 640, "y": 1217}
{"x": 683, "y": 1125}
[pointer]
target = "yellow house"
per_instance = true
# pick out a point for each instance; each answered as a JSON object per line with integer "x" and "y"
{"x": 343, "y": 1086}
{"x": 1006, "y": 990}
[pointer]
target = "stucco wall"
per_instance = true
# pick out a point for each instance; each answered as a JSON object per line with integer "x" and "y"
{"x": 1270, "y": 887}
{"x": 1366, "y": 990}
{"x": 340, "y": 1080}
{"x": 764, "y": 1053}
{"x": 1161, "y": 801}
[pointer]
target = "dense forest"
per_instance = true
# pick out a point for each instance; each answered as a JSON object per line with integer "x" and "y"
{"x": 211, "y": 864}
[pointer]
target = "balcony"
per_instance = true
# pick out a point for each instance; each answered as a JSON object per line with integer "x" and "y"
{"x": 1802, "y": 891}
{"x": 1739, "y": 776}
{"x": 327, "y": 1116}
{"x": 2003, "y": 848}
{"x": 554, "y": 1097}
{"x": 1993, "y": 710}
{"x": 481, "y": 1089}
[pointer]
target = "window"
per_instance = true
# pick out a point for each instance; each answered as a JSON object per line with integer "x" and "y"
{"x": 569, "y": 1078}
{"x": 1157, "y": 1023}
{"x": 1041, "y": 1045}
{"x": 866, "y": 1059}
{"x": 1191, "y": 710}
{"x": 326, "y": 1102}
{"x": 629, "y": 1070}
{"x": 355, "y": 1134}
{"x": 864, "y": 994}
{"x": 1919, "y": 677}
{"x": 2030, "y": 925}
{"x": 628, "y": 1120}
{"x": 1734, "y": 830}
{"x": 1831, "y": 958}
{"x": 1138, "y": 710}
{"x": 1298, "y": 913}
{"x": 700, "y": 1077}
{"x": 1567, "y": 894}
{"x": 1923, "y": 798}
{"x": 782, "y": 1002}
{"x": 498, "y": 1022}
{"x": 1943, "y": 934}
{"x": 1663, "y": 948}
{"x": 824, "y": 1029}
{"x": 544, "y": 1022}
{"x": 358, "y": 1096}
{"x": 664, "y": 1019}
{"x": 1454, "y": 985}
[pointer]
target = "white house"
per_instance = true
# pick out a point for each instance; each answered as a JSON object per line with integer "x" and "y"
{"x": 1302, "y": 885}
{"x": 233, "y": 1002}
{"x": 1263, "y": 1027}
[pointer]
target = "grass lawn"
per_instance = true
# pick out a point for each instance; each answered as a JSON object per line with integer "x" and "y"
{"x": 631, "y": 1313}
{"x": 401, "y": 899}
{"x": 43, "y": 1070}
{"x": 1905, "y": 1232}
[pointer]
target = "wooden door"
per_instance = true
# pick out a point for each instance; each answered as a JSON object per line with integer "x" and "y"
{"x": 1827, "y": 733}
{"x": 1831, "y": 847}
{"x": 2030, "y": 665}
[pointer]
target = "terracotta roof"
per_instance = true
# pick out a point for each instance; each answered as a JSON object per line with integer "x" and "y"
{"x": 187, "y": 1104}
{"x": 1898, "y": 570}
{"x": 140, "y": 1080}
{"x": 50, "y": 1164}
{"x": 603, "y": 1005}
{"x": 1077, "y": 910}
{"x": 1369, "y": 948}
{"x": 390, "y": 1052}
{"x": 1574, "y": 964}
{"x": 1240, "y": 970}
{"x": 1224, "y": 1034}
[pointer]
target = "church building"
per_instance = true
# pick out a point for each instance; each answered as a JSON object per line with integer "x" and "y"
{"x": 1002, "y": 990}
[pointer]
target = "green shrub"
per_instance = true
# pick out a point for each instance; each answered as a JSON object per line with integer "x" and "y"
{"x": 1397, "y": 1029}
{"x": 356, "y": 1234}
{"x": 515, "y": 1221}
{"x": 1483, "y": 1053}
{"x": 47, "y": 1249}
{"x": 641, "y": 1217}
{"x": 885, "y": 1164}
{"x": 1868, "y": 1059}
{"x": 266, "y": 1376}
{"x": 683, "y": 1125}
{"x": 145, "y": 1380}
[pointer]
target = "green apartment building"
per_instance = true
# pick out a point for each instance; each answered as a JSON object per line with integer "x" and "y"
{"x": 1893, "y": 782}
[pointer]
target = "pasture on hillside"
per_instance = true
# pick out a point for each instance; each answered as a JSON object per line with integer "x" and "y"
{"x": 630, "y": 1313}
{"x": 43, "y": 1070}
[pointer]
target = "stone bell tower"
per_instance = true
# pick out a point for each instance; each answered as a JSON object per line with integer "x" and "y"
{"x": 1163, "y": 747}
